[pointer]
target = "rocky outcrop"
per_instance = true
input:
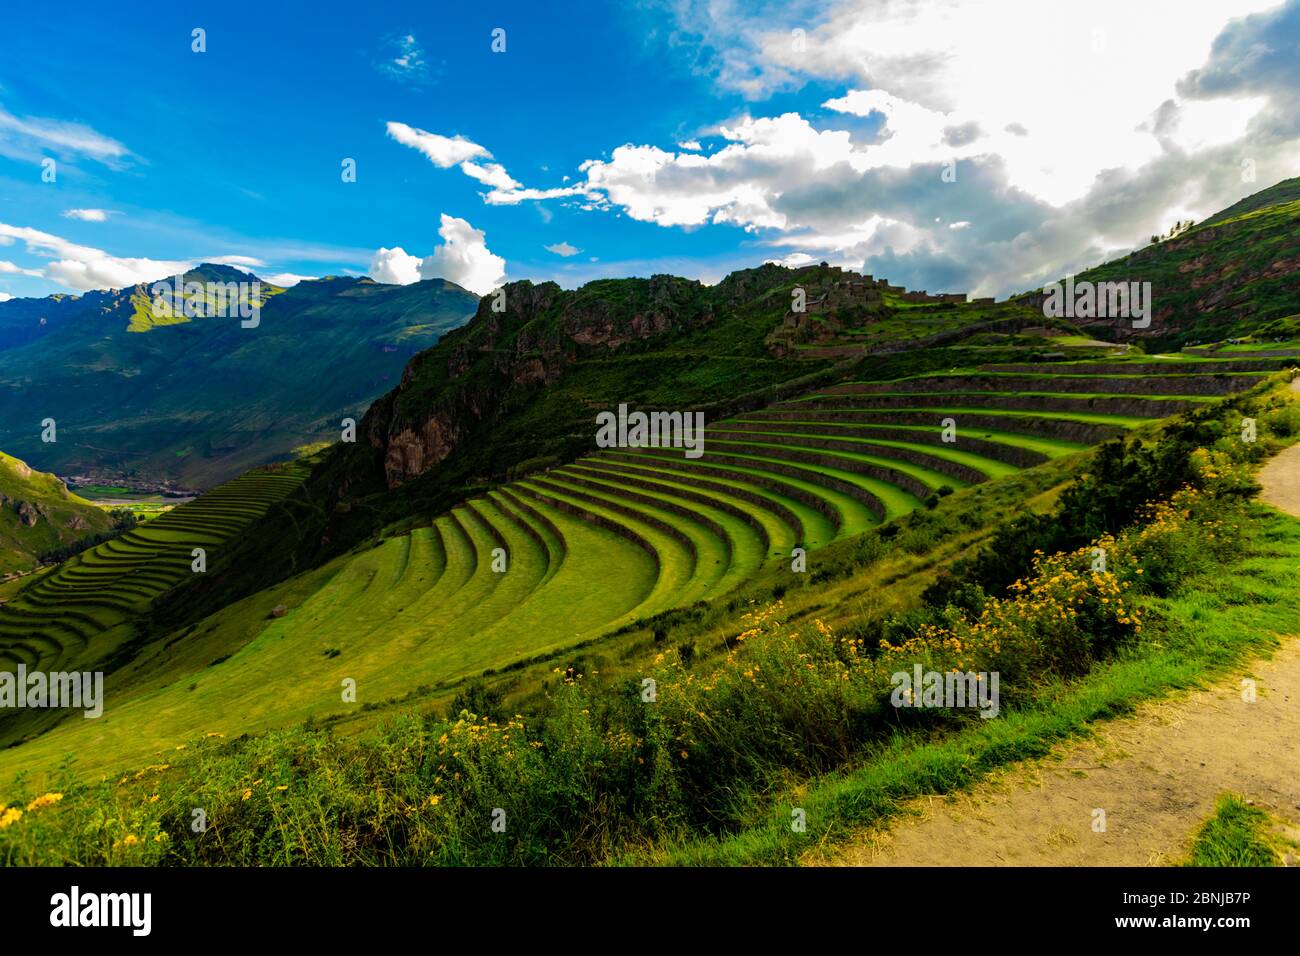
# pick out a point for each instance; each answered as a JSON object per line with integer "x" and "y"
{"x": 29, "y": 513}
{"x": 521, "y": 341}
{"x": 413, "y": 451}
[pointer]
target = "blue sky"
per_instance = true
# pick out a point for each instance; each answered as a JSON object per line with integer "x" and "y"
{"x": 824, "y": 131}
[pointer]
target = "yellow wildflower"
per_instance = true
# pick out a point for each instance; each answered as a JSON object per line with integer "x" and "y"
{"x": 44, "y": 800}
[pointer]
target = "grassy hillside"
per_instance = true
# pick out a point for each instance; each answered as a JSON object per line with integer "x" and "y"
{"x": 1235, "y": 274}
{"x": 88, "y": 614}
{"x": 518, "y": 391}
{"x": 38, "y": 515}
{"x": 138, "y": 392}
{"x": 772, "y": 700}
{"x": 507, "y": 575}
{"x": 1281, "y": 194}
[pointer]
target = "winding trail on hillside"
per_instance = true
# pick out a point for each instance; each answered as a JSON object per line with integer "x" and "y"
{"x": 1280, "y": 479}
{"x": 1156, "y": 774}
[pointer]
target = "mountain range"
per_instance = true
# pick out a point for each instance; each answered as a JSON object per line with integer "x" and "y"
{"x": 144, "y": 393}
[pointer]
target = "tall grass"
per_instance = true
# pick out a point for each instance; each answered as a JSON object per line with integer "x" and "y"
{"x": 1237, "y": 835}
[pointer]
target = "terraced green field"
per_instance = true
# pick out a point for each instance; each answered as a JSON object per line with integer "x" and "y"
{"x": 53, "y": 622}
{"x": 568, "y": 554}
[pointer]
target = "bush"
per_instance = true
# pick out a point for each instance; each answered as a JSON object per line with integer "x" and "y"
{"x": 476, "y": 698}
{"x": 1201, "y": 450}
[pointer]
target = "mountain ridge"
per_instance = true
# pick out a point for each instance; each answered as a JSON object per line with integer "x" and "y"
{"x": 140, "y": 392}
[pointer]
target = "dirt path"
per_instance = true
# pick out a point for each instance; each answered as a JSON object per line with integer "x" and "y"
{"x": 1156, "y": 775}
{"x": 1280, "y": 478}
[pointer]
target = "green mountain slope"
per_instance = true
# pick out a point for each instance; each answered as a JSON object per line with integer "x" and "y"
{"x": 139, "y": 392}
{"x": 625, "y": 538}
{"x": 39, "y": 514}
{"x": 518, "y": 390}
{"x": 1235, "y": 274}
{"x": 1281, "y": 194}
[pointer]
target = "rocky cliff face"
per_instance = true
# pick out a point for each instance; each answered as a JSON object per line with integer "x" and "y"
{"x": 470, "y": 376}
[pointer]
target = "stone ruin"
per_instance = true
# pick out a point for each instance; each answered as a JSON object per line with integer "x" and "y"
{"x": 837, "y": 298}
{"x": 832, "y": 297}
{"x": 845, "y": 290}
{"x": 925, "y": 297}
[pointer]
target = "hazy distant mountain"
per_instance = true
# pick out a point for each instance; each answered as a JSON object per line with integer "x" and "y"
{"x": 139, "y": 390}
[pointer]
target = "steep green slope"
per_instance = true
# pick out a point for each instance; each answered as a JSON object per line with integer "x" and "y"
{"x": 776, "y": 699}
{"x": 518, "y": 389}
{"x": 1281, "y": 194}
{"x": 1235, "y": 274}
{"x": 91, "y": 613}
{"x": 138, "y": 391}
{"x": 38, "y": 514}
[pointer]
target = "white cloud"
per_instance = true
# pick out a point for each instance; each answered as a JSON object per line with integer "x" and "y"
{"x": 443, "y": 151}
{"x": 518, "y": 194}
{"x": 447, "y": 151}
{"x": 1077, "y": 78}
{"x": 395, "y": 267}
{"x": 29, "y": 137}
{"x": 742, "y": 183}
{"x": 948, "y": 169}
{"x": 241, "y": 262}
{"x": 1200, "y": 124}
{"x": 287, "y": 279}
{"x": 964, "y": 151}
{"x": 563, "y": 249}
{"x": 88, "y": 215}
{"x": 405, "y": 60}
{"x": 691, "y": 144}
{"x": 464, "y": 258}
{"x": 84, "y": 267}
{"x": 8, "y": 268}
{"x": 793, "y": 261}
{"x": 490, "y": 174}
{"x": 5, "y": 297}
